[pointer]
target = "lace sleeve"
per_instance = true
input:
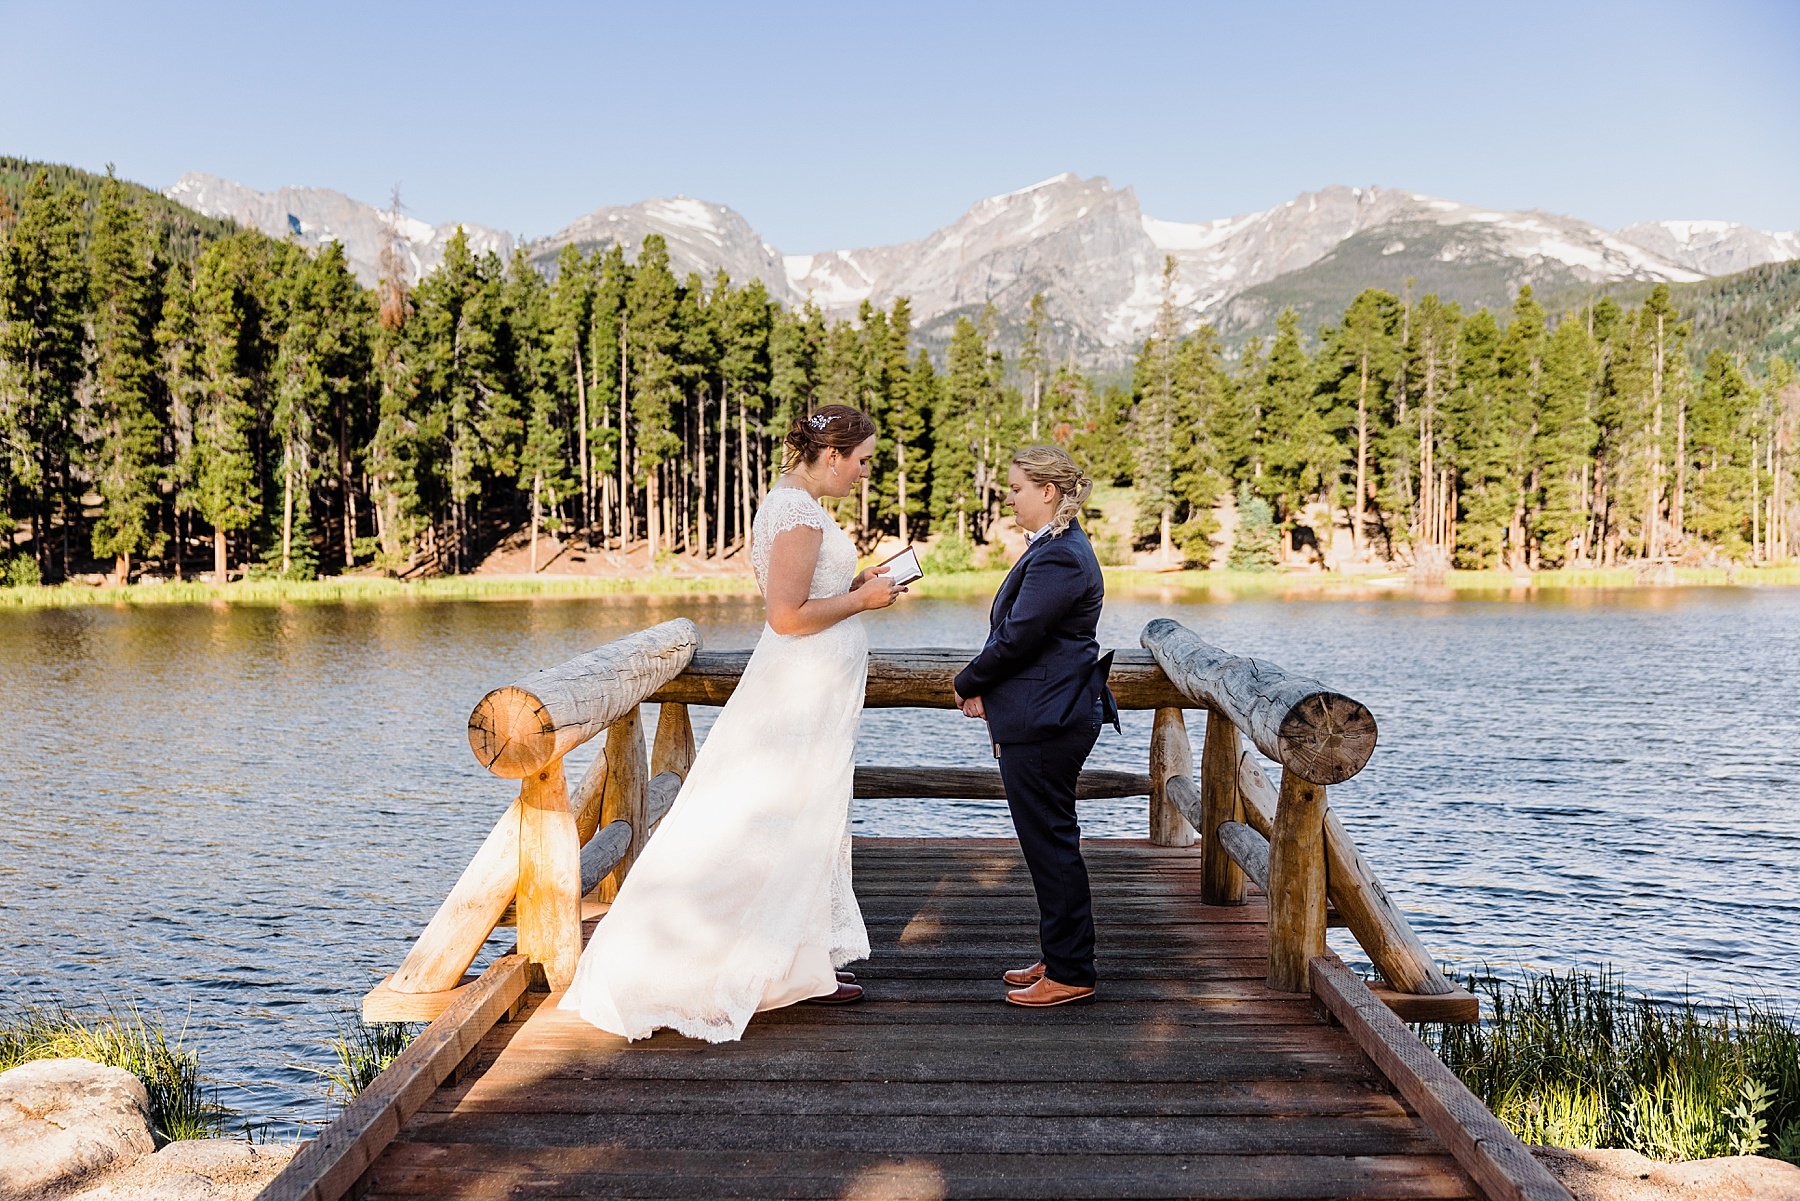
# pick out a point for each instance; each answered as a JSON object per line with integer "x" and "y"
{"x": 789, "y": 508}
{"x": 782, "y": 509}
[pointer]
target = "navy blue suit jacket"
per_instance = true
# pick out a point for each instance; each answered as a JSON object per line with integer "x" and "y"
{"x": 1041, "y": 672}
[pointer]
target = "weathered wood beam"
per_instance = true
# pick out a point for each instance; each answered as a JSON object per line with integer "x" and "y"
{"x": 328, "y": 1167}
{"x": 1184, "y": 794}
{"x": 1296, "y": 883}
{"x": 1501, "y": 1165}
{"x": 1356, "y": 894}
{"x": 517, "y": 729}
{"x": 1324, "y": 736}
{"x": 1171, "y": 757}
{"x": 917, "y": 678}
{"x": 453, "y": 937}
{"x": 982, "y": 784}
{"x": 1248, "y": 850}
{"x": 602, "y": 853}
{"x": 549, "y": 892}
{"x": 1221, "y": 881}
{"x": 664, "y": 788}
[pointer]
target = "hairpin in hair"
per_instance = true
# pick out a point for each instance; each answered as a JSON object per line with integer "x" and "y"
{"x": 819, "y": 421}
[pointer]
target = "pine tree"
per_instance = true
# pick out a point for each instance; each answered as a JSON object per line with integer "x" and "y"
{"x": 570, "y": 318}
{"x": 654, "y": 337}
{"x": 43, "y": 306}
{"x": 1197, "y": 464}
{"x": 1034, "y": 357}
{"x": 1720, "y": 457}
{"x": 123, "y": 410}
{"x": 1360, "y": 359}
{"x": 1302, "y": 458}
{"x": 745, "y": 329}
{"x": 397, "y": 460}
{"x": 455, "y": 347}
{"x": 1256, "y": 546}
{"x": 1564, "y": 444}
{"x": 1479, "y": 429}
{"x": 543, "y": 463}
{"x": 1158, "y": 399}
{"x": 220, "y": 475}
{"x": 956, "y": 448}
{"x": 321, "y": 363}
{"x": 1520, "y": 360}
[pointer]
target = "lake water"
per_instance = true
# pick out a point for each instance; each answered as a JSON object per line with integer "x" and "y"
{"x": 242, "y": 816}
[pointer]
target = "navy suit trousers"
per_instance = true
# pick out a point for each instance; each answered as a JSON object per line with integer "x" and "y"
{"x": 1040, "y": 791}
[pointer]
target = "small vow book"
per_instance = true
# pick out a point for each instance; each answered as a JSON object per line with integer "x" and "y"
{"x": 904, "y": 567}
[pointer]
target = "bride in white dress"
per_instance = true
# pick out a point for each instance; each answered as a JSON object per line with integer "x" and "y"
{"x": 741, "y": 901}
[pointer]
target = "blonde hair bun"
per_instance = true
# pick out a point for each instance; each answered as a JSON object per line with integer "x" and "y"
{"x": 1053, "y": 465}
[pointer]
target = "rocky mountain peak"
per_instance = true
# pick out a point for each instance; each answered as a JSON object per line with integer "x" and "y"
{"x": 314, "y": 216}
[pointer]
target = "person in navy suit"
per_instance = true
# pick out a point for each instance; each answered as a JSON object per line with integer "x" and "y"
{"x": 1040, "y": 683}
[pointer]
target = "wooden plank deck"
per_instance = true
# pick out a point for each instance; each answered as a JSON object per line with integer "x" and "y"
{"x": 1189, "y": 1078}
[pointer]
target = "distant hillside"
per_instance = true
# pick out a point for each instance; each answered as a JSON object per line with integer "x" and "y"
{"x": 1755, "y": 313}
{"x": 1466, "y": 264}
{"x": 1752, "y": 315}
{"x": 181, "y": 232}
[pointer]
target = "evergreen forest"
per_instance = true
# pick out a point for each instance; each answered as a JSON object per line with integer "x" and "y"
{"x": 180, "y": 396}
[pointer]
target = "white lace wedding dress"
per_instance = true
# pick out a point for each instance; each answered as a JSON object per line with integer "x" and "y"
{"x": 741, "y": 900}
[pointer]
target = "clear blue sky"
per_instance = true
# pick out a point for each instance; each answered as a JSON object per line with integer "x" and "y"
{"x": 851, "y": 124}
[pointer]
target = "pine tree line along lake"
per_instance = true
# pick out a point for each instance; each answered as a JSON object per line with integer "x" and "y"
{"x": 240, "y": 816}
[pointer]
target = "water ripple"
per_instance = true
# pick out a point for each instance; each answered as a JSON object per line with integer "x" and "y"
{"x": 242, "y": 816}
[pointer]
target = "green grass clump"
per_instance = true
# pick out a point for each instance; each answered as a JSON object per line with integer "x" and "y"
{"x": 1576, "y": 1061}
{"x": 363, "y": 1051}
{"x": 180, "y": 1107}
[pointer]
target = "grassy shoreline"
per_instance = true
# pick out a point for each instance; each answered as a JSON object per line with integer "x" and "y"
{"x": 1211, "y": 584}
{"x": 1579, "y": 1060}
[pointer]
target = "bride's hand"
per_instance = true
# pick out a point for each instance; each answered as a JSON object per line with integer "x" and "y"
{"x": 877, "y": 591}
{"x": 862, "y": 577}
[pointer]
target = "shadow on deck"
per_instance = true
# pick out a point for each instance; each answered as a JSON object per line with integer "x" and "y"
{"x": 1189, "y": 1078}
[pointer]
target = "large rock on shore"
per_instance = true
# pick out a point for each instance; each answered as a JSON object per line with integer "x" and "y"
{"x": 218, "y": 1169}
{"x": 62, "y": 1120}
{"x": 1628, "y": 1176}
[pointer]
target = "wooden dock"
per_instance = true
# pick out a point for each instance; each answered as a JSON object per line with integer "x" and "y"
{"x": 1230, "y": 1053}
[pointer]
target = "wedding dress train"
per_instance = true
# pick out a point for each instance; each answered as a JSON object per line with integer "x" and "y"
{"x": 741, "y": 901}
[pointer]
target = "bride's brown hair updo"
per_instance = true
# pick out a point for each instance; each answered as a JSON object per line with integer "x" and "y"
{"x": 1053, "y": 465}
{"x": 829, "y": 427}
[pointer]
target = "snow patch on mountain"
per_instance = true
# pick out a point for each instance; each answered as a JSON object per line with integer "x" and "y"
{"x": 1713, "y": 247}
{"x": 314, "y": 216}
{"x": 1088, "y": 246}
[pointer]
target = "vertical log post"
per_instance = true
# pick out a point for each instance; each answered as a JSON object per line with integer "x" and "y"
{"x": 1221, "y": 879}
{"x": 626, "y": 793}
{"x": 1296, "y": 883}
{"x": 1170, "y": 755}
{"x": 549, "y": 904}
{"x": 674, "y": 750}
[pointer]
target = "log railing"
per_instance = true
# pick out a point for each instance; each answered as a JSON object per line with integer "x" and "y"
{"x": 1286, "y": 837}
{"x": 557, "y": 852}
{"x": 554, "y": 846}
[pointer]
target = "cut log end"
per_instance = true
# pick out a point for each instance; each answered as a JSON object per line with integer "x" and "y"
{"x": 511, "y": 733}
{"x": 1327, "y": 738}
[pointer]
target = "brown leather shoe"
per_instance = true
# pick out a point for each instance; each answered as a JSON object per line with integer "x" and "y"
{"x": 1021, "y": 977}
{"x": 846, "y": 977}
{"x": 1047, "y": 992}
{"x": 845, "y": 994}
